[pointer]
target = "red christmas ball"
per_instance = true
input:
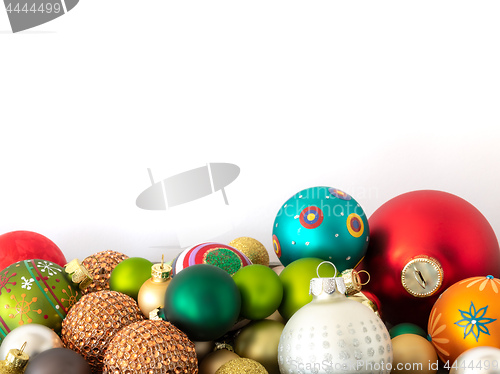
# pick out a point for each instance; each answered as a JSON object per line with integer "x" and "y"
{"x": 421, "y": 243}
{"x": 25, "y": 245}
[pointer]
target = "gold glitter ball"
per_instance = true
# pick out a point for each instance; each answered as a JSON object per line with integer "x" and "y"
{"x": 145, "y": 347}
{"x": 100, "y": 265}
{"x": 242, "y": 366}
{"x": 94, "y": 320}
{"x": 253, "y": 249}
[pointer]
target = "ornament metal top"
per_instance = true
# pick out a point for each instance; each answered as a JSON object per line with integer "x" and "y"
{"x": 334, "y": 334}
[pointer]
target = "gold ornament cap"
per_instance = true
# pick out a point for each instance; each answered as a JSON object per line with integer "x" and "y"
{"x": 352, "y": 281}
{"x": 422, "y": 276}
{"x": 79, "y": 273}
{"x": 161, "y": 272}
{"x": 223, "y": 345}
{"x": 155, "y": 314}
{"x": 17, "y": 358}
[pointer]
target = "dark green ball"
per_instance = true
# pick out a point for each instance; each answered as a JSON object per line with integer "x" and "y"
{"x": 406, "y": 328}
{"x": 203, "y": 301}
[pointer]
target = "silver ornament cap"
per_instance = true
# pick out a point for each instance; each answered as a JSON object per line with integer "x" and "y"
{"x": 334, "y": 335}
{"x": 329, "y": 286}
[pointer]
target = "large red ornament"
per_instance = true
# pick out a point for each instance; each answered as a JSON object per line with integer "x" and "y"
{"x": 421, "y": 243}
{"x": 25, "y": 245}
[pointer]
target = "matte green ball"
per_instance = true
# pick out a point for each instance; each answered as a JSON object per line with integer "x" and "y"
{"x": 407, "y": 328}
{"x": 203, "y": 301}
{"x": 296, "y": 278}
{"x": 128, "y": 276}
{"x": 261, "y": 291}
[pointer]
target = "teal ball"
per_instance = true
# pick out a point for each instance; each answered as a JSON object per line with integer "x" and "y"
{"x": 203, "y": 301}
{"x": 321, "y": 222}
{"x": 128, "y": 276}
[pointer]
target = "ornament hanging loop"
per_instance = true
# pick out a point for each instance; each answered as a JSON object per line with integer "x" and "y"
{"x": 368, "y": 274}
{"x": 326, "y": 262}
{"x": 327, "y": 286}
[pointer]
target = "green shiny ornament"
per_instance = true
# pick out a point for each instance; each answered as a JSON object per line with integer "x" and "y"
{"x": 407, "y": 328}
{"x": 261, "y": 291}
{"x": 296, "y": 279}
{"x": 203, "y": 301}
{"x": 128, "y": 276}
{"x": 321, "y": 222}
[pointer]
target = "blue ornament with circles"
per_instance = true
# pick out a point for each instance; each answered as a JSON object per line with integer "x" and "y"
{"x": 321, "y": 222}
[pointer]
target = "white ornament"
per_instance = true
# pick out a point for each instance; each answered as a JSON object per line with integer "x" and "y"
{"x": 485, "y": 360}
{"x": 333, "y": 334}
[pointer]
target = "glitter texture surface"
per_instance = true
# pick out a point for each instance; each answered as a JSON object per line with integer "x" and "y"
{"x": 149, "y": 347}
{"x": 93, "y": 322}
{"x": 253, "y": 249}
{"x": 242, "y": 366}
{"x": 100, "y": 266}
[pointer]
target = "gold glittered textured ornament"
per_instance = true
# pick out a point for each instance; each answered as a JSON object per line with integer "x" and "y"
{"x": 242, "y": 366}
{"x": 100, "y": 265}
{"x": 15, "y": 362}
{"x": 214, "y": 360}
{"x": 145, "y": 347}
{"x": 93, "y": 322}
{"x": 253, "y": 249}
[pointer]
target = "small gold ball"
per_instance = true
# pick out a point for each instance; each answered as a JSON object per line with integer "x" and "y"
{"x": 242, "y": 366}
{"x": 253, "y": 249}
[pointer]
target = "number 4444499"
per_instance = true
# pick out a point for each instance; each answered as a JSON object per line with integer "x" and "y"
{"x": 42, "y": 8}
{"x": 472, "y": 364}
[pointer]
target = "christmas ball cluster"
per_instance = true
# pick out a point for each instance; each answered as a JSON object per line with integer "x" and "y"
{"x": 430, "y": 301}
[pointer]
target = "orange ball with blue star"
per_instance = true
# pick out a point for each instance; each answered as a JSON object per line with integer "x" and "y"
{"x": 465, "y": 316}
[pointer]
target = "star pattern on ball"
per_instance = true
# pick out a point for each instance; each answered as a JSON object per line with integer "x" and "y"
{"x": 48, "y": 267}
{"x": 483, "y": 282}
{"x": 435, "y": 330}
{"x": 474, "y": 321}
{"x": 23, "y": 308}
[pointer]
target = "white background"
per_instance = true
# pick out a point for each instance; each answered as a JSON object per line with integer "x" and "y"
{"x": 376, "y": 98}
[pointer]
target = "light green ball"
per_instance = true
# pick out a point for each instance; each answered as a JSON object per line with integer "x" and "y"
{"x": 128, "y": 276}
{"x": 261, "y": 291}
{"x": 296, "y": 278}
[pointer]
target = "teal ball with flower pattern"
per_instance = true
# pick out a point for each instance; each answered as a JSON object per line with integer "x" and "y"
{"x": 35, "y": 291}
{"x": 321, "y": 222}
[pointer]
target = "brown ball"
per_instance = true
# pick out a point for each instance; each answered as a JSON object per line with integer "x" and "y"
{"x": 94, "y": 320}
{"x": 215, "y": 360}
{"x": 150, "y": 346}
{"x": 100, "y": 265}
{"x": 259, "y": 341}
{"x": 413, "y": 354}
